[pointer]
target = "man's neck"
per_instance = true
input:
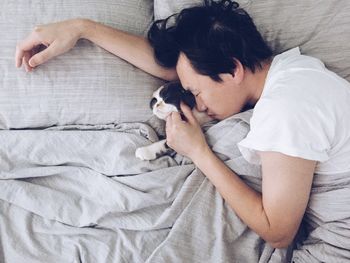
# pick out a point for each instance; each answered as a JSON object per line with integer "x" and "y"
{"x": 256, "y": 82}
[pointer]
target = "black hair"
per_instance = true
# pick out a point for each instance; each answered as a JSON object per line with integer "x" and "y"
{"x": 211, "y": 36}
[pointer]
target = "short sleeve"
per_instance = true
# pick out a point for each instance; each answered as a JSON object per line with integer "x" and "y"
{"x": 286, "y": 126}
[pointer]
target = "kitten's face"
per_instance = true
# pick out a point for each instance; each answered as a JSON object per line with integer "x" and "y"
{"x": 159, "y": 107}
{"x": 167, "y": 99}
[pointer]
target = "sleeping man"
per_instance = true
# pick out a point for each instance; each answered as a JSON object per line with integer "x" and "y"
{"x": 216, "y": 52}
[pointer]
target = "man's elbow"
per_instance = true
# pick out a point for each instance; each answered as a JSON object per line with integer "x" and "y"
{"x": 282, "y": 242}
{"x": 282, "y": 235}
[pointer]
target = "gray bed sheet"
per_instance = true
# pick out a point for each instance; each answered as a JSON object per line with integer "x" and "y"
{"x": 78, "y": 194}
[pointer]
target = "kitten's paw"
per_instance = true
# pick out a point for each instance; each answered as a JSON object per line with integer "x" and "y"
{"x": 145, "y": 154}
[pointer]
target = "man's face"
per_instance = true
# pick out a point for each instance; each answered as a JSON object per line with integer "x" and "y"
{"x": 218, "y": 99}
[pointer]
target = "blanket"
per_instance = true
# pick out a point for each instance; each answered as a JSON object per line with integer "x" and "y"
{"x": 326, "y": 223}
{"x": 78, "y": 194}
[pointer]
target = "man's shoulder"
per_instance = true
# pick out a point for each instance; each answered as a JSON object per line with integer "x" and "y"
{"x": 292, "y": 63}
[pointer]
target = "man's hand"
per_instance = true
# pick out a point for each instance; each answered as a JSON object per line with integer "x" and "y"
{"x": 185, "y": 137}
{"x": 58, "y": 38}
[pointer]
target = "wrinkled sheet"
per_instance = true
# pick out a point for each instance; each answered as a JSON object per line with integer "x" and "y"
{"x": 326, "y": 223}
{"x": 78, "y": 194}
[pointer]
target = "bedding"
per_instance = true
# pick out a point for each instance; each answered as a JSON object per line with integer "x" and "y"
{"x": 75, "y": 192}
{"x": 78, "y": 194}
{"x": 87, "y": 85}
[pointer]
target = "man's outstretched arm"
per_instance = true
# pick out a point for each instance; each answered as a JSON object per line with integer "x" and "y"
{"x": 62, "y": 36}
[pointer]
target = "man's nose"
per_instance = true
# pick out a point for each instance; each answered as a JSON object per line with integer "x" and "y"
{"x": 200, "y": 105}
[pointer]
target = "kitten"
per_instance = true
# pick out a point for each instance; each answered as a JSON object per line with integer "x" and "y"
{"x": 166, "y": 100}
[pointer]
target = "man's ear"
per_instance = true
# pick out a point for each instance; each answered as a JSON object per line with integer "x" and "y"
{"x": 238, "y": 72}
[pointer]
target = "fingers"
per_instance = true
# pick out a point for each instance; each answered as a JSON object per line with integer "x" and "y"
{"x": 19, "y": 57}
{"x": 168, "y": 120}
{"x": 175, "y": 116}
{"x": 25, "y": 46}
{"x": 25, "y": 60}
{"x": 168, "y": 125}
{"x": 42, "y": 56}
{"x": 174, "y": 122}
{"x": 188, "y": 113}
{"x": 173, "y": 119}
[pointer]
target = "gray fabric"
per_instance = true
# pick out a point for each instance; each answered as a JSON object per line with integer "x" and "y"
{"x": 320, "y": 28}
{"x": 78, "y": 194}
{"x": 87, "y": 85}
{"x": 327, "y": 221}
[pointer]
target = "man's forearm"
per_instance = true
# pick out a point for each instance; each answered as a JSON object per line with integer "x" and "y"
{"x": 246, "y": 202}
{"x": 134, "y": 49}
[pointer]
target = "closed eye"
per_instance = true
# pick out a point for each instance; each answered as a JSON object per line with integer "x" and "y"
{"x": 189, "y": 90}
{"x": 194, "y": 92}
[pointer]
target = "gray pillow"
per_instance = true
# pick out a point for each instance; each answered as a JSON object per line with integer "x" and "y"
{"x": 87, "y": 85}
{"x": 320, "y": 28}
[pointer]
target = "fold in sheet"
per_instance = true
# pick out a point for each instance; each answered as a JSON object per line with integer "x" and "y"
{"x": 78, "y": 194}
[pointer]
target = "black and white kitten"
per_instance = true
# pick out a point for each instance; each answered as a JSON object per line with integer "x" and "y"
{"x": 164, "y": 101}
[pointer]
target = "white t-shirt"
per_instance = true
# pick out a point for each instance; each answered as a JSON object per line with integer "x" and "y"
{"x": 304, "y": 111}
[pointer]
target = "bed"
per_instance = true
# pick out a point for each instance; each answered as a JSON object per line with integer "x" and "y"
{"x": 71, "y": 189}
